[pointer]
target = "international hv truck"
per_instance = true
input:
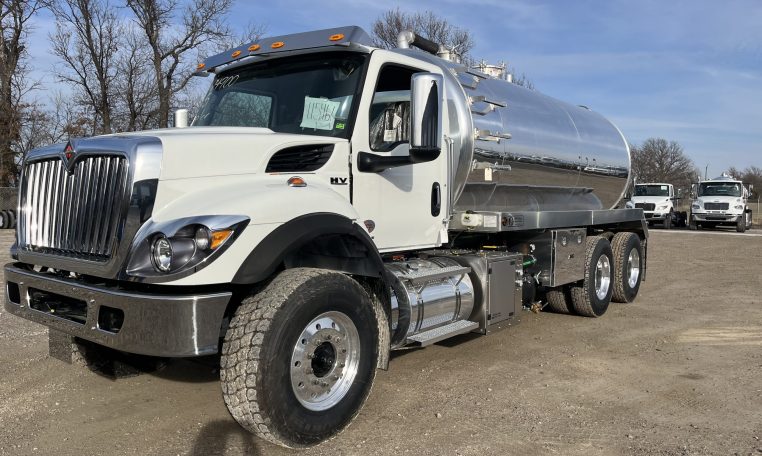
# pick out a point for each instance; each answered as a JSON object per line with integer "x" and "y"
{"x": 331, "y": 202}
{"x": 722, "y": 201}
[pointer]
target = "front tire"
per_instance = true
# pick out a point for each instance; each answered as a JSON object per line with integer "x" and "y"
{"x": 592, "y": 297}
{"x": 741, "y": 224}
{"x": 628, "y": 266}
{"x": 299, "y": 358}
{"x": 668, "y": 221}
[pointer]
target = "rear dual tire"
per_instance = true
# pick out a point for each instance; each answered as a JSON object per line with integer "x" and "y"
{"x": 592, "y": 296}
{"x": 628, "y": 257}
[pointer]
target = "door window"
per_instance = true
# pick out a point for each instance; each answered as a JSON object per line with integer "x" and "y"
{"x": 390, "y": 109}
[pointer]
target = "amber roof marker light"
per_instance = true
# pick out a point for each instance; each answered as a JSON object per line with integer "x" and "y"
{"x": 336, "y": 37}
{"x": 235, "y": 54}
{"x": 277, "y": 44}
{"x": 254, "y": 47}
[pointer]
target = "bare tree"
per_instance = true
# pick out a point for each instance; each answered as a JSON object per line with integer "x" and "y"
{"x": 137, "y": 104}
{"x": 87, "y": 40}
{"x": 14, "y": 84}
{"x": 174, "y": 45}
{"x": 427, "y": 24}
{"x": 659, "y": 160}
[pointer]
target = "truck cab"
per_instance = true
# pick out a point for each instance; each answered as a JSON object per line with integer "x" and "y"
{"x": 658, "y": 201}
{"x": 720, "y": 202}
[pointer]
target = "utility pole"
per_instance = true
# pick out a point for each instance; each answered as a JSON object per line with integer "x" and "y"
{"x": 706, "y": 172}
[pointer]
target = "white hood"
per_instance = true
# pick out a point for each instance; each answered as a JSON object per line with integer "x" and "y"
{"x": 223, "y": 151}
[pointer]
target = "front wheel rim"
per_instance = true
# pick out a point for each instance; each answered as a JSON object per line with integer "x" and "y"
{"x": 602, "y": 277}
{"x": 325, "y": 361}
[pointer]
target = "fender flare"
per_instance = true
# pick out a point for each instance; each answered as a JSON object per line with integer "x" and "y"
{"x": 271, "y": 252}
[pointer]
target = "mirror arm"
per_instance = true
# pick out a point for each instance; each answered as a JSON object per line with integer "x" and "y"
{"x": 374, "y": 163}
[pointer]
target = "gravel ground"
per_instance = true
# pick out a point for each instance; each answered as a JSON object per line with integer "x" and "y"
{"x": 678, "y": 372}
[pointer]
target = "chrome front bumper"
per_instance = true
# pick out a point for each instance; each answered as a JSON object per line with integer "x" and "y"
{"x": 153, "y": 324}
{"x": 710, "y": 217}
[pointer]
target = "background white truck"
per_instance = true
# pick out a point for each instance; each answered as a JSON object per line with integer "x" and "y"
{"x": 722, "y": 201}
{"x": 331, "y": 202}
{"x": 659, "y": 203}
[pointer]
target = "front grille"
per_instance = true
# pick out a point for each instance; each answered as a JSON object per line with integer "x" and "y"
{"x": 74, "y": 214}
{"x": 716, "y": 206}
{"x": 645, "y": 206}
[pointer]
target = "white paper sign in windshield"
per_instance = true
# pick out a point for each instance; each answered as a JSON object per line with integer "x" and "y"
{"x": 319, "y": 113}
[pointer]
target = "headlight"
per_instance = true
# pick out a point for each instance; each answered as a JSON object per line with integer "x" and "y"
{"x": 739, "y": 207}
{"x": 629, "y": 205}
{"x": 203, "y": 238}
{"x": 661, "y": 208}
{"x": 174, "y": 249}
{"x": 695, "y": 206}
{"x": 161, "y": 252}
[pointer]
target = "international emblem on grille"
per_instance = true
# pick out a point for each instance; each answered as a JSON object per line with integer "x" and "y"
{"x": 68, "y": 157}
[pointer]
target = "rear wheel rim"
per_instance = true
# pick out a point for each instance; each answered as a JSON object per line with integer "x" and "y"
{"x": 633, "y": 268}
{"x": 602, "y": 277}
{"x": 325, "y": 361}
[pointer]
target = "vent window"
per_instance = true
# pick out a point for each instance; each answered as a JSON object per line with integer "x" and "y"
{"x": 299, "y": 159}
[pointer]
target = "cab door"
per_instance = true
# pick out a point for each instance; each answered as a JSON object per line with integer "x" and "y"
{"x": 403, "y": 207}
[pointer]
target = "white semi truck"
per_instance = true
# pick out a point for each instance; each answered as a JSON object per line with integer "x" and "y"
{"x": 659, "y": 204}
{"x": 331, "y": 202}
{"x": 722, "y": 201}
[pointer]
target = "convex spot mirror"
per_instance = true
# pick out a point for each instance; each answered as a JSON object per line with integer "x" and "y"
{"x": 425, "y": 116}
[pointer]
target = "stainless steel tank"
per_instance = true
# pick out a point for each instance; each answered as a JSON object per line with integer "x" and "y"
{"x": 559, "y": 156}
{"x": 427, "y": 294}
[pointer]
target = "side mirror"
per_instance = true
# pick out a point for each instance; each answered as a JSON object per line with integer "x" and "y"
{"x": 425, "y": 116}
{"x": 679, "y": 192}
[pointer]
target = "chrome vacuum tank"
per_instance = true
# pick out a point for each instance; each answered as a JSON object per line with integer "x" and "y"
{"x": 515, "y": 149}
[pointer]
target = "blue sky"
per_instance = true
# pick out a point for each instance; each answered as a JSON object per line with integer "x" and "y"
{"x": 689, "y": 71}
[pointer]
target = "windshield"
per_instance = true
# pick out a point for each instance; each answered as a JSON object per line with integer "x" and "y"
{"x": 311, "y": 95}
{"x": 652, "y": 190}
{"x": 719, "y": 189}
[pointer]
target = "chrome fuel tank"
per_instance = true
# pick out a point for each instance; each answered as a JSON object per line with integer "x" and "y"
{"x": 428, "y": 294}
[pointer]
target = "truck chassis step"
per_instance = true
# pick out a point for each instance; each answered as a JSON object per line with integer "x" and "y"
{"x": 435, "y": 335}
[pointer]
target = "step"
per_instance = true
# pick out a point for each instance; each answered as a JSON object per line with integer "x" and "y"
{"x": 426, "y": 275}
{"x": 435, "y": 335}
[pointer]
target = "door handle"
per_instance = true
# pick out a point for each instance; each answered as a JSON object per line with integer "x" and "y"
{"x": 436, "y": 199}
